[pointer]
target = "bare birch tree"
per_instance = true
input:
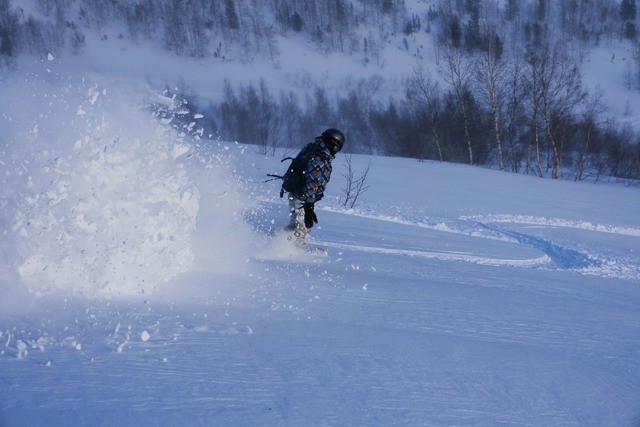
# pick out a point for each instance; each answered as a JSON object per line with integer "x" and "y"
{"x": 514, "y": 115}
{"x": 534, "y": 101}
{"x": 423, "y": 92}
{"x": 490, "y": 75}
{"x": 457, "y": 73}
{"x": 555, "y": 86}
{"x": 593, "y": 110}
{"x": 561, "y": 92}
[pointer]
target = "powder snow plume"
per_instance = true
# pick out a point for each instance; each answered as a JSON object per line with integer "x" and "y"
{"x": 94, "y": 196}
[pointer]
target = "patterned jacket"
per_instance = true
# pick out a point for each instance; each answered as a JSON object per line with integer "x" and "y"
{"x": 317, "y": 174}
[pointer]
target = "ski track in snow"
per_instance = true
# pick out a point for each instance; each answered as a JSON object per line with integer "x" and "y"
{"x": 555, "y": 255}
{"x": 554, "y": 222}
{"x": 445, "y": 256}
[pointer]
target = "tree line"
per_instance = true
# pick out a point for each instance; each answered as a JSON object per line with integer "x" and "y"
{"x": 532, "y": 118}
{"x": 509, "y": 96}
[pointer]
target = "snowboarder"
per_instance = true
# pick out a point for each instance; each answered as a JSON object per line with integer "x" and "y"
{"x": 306, "y": 180}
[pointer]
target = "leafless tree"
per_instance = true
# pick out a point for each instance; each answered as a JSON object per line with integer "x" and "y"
{"x": 593, "y": 110}
{"x": 354, "y": 187}
{"x": 555, "y": 91}
{"x": 290, "y": 112}
{"x": 490, "y": 75}
{"x": 424, "y": 93}
{"x": 457, "y": 73}
{"x": 269, "y": 119}
{"x": 514, "y": 114}
{"x": 534, "y": 101}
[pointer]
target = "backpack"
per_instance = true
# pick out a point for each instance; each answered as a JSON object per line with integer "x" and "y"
{"x": 294, "y": 179}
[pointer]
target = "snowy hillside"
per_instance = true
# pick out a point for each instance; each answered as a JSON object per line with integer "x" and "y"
{"x": 145, "y": 280}
{"x": 534, "y": 87}
{"x": 300, "y": 66}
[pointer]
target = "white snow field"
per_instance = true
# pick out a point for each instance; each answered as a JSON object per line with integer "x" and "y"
{"x": 144, "y": 281}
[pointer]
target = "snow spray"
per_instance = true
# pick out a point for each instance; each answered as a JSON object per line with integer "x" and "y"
{"x": 94, "y": 198}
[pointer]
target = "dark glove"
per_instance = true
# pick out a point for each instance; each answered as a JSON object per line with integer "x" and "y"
{"x": 309, "y": 215}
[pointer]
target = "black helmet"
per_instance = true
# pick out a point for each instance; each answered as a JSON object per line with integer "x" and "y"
{"x": 334, "y": 138}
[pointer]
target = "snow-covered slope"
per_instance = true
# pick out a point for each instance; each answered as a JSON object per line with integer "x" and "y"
{"x": 164, "y": 292}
